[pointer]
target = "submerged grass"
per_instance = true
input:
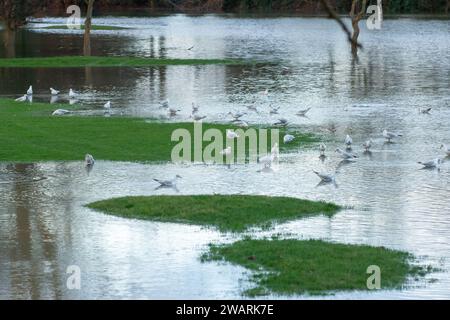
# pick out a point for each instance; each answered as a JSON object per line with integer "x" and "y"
{"x": 314, "y": 267}
{"x": 28, "y": 133}
{"x": 226, "y": 212}
{"x": 81, "y": 61}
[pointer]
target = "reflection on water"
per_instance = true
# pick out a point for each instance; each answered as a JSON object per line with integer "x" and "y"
{"x": 45, "y": 228}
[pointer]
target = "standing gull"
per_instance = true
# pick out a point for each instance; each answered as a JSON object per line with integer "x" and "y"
{"x": 367, "y": 145}
{"x": 390, "y": 135}
{"x": 325, "y": 177}
{"x": 236, "y": 116}
{"x": 348, "y": 142}
{"x": 281, "y": 122}
{"x": 197, "y": 117}
{"x": 332, "y": 128}
{"x": 22, "y": 98}
{"x": 288, "y": 138}
{"x": 107, "y": 105}
{"x": 302, "y": 113}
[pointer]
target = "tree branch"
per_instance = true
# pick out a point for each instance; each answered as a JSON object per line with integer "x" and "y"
{"x": 338, "y": 19}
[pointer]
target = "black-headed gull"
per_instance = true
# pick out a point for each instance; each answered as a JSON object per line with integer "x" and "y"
{"x": 164, "y": 104}
{"x": 273, "y": 156}
{"x": 302, "y": 113}
{"x": 325, "y": 177}
{"x": 236, "y": 116}
{"x": 265, "y": 92}
{"x": 275, "y": 151}
{"x": 425, "y": 110}
{"x": 288, "y": 138}
{"x": 322, "y": 149}
{"x": 226, "y": 152}
{"x": 435, "y": 163}
{"x": 168, "y": 183}
{"x": 332, "y": 128}
{"x": 231, "y": 134}
{"x": 89, "y": 160}
{"x": 173, "y": 112}
{"x": 391, "y": 135}
{"x": 72, "y": 94}
{"x": 348, "y": 142}
{"x": 242, "y": 124}
{"x": 446, "y": 149}
{"x": 197, "y": 117}
{"x": 22, "y": 98}
{"x": 367, "y": 145}
{"x": 281, "y": 122}
{"x": 194, "y": 107}
{"x": 346, "y": 155}
{"x": 274, "y": 110}
{"x": 107, "y": 105}
{"x": 60, "y": 112}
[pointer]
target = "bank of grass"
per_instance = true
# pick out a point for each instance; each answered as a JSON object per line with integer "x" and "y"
{"x": 93, "y": 27}
{"x": 233, "y": 213}
{"x": 96, "y": 61}
{"x": 290, "y": 267}
{"x": 28, "y": 133}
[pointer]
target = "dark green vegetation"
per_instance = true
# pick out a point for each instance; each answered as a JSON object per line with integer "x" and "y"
{"x": 28, "y": 132}
{"x": 342, "y": 6}
{"x": 81, "y": 61}
{"x": 94, "y": 27}
{"x": 313, "y": 266}
{"x": 227, "y": 213}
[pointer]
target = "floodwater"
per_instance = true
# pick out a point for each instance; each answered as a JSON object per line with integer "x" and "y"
{"x": 44, "y": 226}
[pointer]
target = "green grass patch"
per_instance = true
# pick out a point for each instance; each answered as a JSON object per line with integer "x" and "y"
{"x": 95, "y": 61}
{"x": 226, "y": 212}
{"x": 28, "y": 133}
{"x": 93, "y": 27}
{"x": 313, "y": 267}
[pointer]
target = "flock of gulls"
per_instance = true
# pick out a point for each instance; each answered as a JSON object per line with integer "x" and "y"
{"x": 268, "y": 160}
{"x": 348, "y": 156}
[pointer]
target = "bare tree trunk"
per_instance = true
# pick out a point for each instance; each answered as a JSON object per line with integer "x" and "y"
{"x": 10, "y": 43}
{"x": 87, "y": 29}
{"x": 356, "y": 18}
